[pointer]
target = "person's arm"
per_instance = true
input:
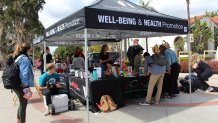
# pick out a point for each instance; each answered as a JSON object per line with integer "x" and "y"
{"x": 103, "y": 61}
{"x": 195, "y": 66}
{"x": 147, "y": 65}
{"x": 129, "y": 53}
{"x": 24, "y": 72}
{"x": 83, "y": 63}
{"x": 168, "y": 57}
{"x": 136, "y": 61}
{"x": 58, "y": 85}
{"x": 42, "y": 82}
{"x": 117, "y": 70}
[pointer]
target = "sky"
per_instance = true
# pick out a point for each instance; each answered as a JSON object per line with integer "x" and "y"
{"x": 55, "y": 10}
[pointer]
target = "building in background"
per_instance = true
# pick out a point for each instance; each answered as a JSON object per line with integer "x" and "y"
{"x": 212, "y": 23}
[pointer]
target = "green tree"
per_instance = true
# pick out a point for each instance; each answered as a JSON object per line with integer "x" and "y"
{"x": 179, "y": 43}
{"x": 96, "y": 48}
{"x": 147, "y": 5}
{"x": 64, "y": 51}
{"x": 212, "y": 14}
{"x": 202, "y": 35}
{"x": 19, "y": 22}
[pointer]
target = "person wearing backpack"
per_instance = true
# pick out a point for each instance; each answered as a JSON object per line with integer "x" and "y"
{"x": 158, "y": 64}
{"x": 23, "y": 92}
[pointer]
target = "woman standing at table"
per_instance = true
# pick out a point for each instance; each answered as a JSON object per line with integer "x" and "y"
{"x": 78, "y": 62}
{"x": 104, "y": 58}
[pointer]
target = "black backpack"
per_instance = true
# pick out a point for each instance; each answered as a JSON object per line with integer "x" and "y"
{"x": 10, "y": 77}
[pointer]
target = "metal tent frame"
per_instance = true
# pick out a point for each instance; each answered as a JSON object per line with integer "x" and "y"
{"x": 104, "y": 20}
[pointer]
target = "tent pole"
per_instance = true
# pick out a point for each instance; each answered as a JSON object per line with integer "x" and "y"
{"x": 33, "y": 58}
{"x": 86, "y": 73}
{"x": 121, "y": 55}
{"x": 189, "y": 45}
{"x": 146, "y": 44}
{"x": 44, "y": 56}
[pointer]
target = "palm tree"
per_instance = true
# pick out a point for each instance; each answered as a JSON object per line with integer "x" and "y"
{"x": 147, "y": 5}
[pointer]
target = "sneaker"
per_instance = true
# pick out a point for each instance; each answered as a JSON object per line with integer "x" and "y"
{"x": 201, "y": 90}
{"x": 47, "y": 113}
{"x": 155, "y": 102}
{"x": 145, "y": 103}
{"x": 167, "y": 97}
{"x": 209, "y": 89}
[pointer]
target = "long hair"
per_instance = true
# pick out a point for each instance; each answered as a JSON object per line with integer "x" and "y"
{"x": 162, "y": 49}
{"x": 21, "y": 48}
{"x": 103, "y": 49}
{"x": 195, "y": 58}
{"x": 78, "y": 52}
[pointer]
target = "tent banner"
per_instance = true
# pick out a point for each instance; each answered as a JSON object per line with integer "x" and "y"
{"x": 104, "y": 19}
{"x": 38, "y": 40}
{"x": 60, "y": 28}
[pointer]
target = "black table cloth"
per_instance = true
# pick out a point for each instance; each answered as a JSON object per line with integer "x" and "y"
{"x": 117, "y": 88}
{"x": 133, "y": 85}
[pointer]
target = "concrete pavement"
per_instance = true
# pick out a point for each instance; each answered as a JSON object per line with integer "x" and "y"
{"x": 185, "y": 108}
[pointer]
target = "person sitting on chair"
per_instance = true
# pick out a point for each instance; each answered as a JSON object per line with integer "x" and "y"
{"x": 49, "y": 84}
{"x": 112, "y": 70}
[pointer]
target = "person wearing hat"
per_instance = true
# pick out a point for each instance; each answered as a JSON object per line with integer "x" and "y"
{"x": 173, "y": 71}
{"x": 133, "y": 51}
{"x": 203, "y": 70}
{"x": 158, "y": 64}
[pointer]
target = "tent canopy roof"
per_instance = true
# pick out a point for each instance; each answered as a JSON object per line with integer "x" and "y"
{"x": 113, "y": 19}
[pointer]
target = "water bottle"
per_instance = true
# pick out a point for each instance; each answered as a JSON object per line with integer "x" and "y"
{"x": 140, "y": 71}
{"x": 114, "y": 72}
{"x": 121, "y": 74}
{"x": 130, "y": 70}
{"x": 94, "y": 75}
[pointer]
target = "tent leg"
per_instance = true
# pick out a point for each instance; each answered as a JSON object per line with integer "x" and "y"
{"x": 86, "y": 73}
{"x": 44, "y": 56}
{"x": 121, "y": 55}
{"x": 33, "y": 58}
{"x": 189, "y": 47}
{"x": 146, "y": 44}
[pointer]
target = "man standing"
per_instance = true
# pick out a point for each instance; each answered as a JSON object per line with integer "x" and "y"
{"x": 48, "y": 59}
{"x": 173, "y": 71}
{"x": 132, "y": 52}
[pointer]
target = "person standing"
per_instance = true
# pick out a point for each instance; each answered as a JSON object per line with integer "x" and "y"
{"x": 48, "y": 59}
{"x": 21, "y": 56}
{"x": 173, "y": 71}
{"x": 132, "y": 52}
{"x": 138, "y": 60}
{"x": 158, "y": 65}
{"x": 104, "y": 58}
{"x": 78, "y": 61}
